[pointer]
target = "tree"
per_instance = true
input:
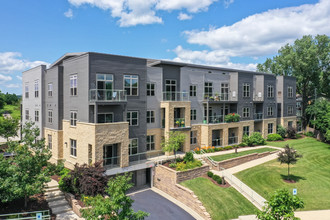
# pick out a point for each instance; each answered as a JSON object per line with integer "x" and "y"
{"x": 117, "y": 205}
{"x": 174, "y": 142}
{"x": 2, "y": 100}
{"x": 288, "y": 156}
{"x": 28, "y": 170}
{"x": 281, "y": 206}
{"x": 8, "y": 127}
{"x": 308, "y": 60}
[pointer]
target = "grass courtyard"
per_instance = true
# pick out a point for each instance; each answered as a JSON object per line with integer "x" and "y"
{"x": 241, "y": 153}
{"x": 14, "y": 110}
{"x": 221, "y": 203}
{"x": 312, "y": 173}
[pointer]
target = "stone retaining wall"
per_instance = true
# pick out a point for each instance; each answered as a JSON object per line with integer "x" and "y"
{"x": 74, "y": 204}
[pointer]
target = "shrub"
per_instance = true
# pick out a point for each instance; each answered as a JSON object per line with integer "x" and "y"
{"x": 189, "y": 157}
{"x": 64, "y": 183}
{"x": 180, "y": 166}
{"x": 242, "y": 144}
{"x": 178, "y": 160}
{"x": 298, "y": 136}
{"x": 309, "y": 134}
{"x": 232, "y": 117}
{"x": 189, "y": 165}
{"x": 210, "y": 174}
{"x": 274, "y": 137}
{"x": 291, "y": 131}
{"x": 281, "y": 131}
{"x": 217, "y": 179}
{"x": 228, "y": 147}
{"x": 172, "y": 165}
{"x": 254, "y": 139}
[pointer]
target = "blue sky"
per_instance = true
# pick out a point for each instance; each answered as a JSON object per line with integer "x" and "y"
{"x": 231, "y": 33}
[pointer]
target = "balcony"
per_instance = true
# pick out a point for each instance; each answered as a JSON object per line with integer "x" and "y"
{"x": 216, "y": 119}
{"x": 217, "y": 98}
{"x": 106, "y": 95}
{"x": 258, "y": 97}
{"x": 258, "y": 116}
{"x": 111, "y": 162}
{"x": 217, "y": 142}
{"x": 176, "y": 96}
{"x": 179, "y": 123}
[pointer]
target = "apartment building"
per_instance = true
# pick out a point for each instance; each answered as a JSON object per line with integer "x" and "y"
{"x": 93, "y": 106}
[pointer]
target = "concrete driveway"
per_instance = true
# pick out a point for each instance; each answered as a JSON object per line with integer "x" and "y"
{"x": 159, "y": 207}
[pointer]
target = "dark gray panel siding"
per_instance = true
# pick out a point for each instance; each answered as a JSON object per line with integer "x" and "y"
{"x": 171, "y": 72}
{"x": 289, "y": 81}
{"x": 246, "y": 101}
{"x": 271, "y": 102}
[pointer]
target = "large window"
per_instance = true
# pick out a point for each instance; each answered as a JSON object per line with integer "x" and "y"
{"x": 193, "y": 137}
{"x": 150, "y": 142}
{"x": 290, "y": 110}
{"x": 290, "y": 124}
{"x": 133, "y": 118}
{"x": 26, "y": 90}
{"x": 36, "y": 115}
{"x": 193, "y": 114}
{"x": 131, "y": 85}
{"x": 50, "y": 116}
{"x": 246, "y": 112}
{"x": 270, "y": 91}
{"x": 36, "y": 88}
{"x": 27, "y": 114}
{"x": 150, "y": 89}
{"x": 224, "y": 91}
{"x": 193, "y": 90}
{"x": 50, "y": 89}
{"x": 105, "y": 117}
{"x": 73, "y": 118}
{"x": 270, "y": 111}
{"x": 104, "y": 86}
{"x": 208, "y": 89}
{"x": 270, "y": 128}
{"x": 73, "y": 147}
{"x": 73, "y": 85}
{"x": 133, "y": 146}
{"x": 246, "y": 90}
{"x": 50, "y": 141}
{"x": 150, "y": 116}
{"x": 290, "y": 92}
{"x": 246, "y": 130}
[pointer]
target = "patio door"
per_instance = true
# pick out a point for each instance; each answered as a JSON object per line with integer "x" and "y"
{"x": 170, "y": 89}
{"x": 110, "y": 154}
{"x": 104, "y": 86}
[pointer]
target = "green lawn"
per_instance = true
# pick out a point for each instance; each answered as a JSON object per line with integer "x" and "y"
{"x": 242, "y": 153}
{"x": 312, "y": 173}
{"x": 221, "y": 203}
{"x": 14, "y": 109}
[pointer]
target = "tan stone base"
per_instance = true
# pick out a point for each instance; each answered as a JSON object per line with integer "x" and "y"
{"x": 285, "y": 120}
{"x": 57, "y": 144}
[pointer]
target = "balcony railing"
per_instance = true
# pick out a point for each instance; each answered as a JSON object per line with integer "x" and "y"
{"x": 217, "y": 142}
{"x": 110, "y": 162}
{"x": 216, "y": 119}
{"x": 258, "y": 116}
{"x": 107, "y": 95}
{"x": 175, "y": 96}
{"x": 179, "y": 123}
{"x": 221, "y": 97}
{"x": 258, "y": 97}
{"x": 137, "y": 158}
{"x": 232, "y": 140}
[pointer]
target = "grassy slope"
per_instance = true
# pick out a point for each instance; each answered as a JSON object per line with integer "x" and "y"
{"x": 242, "y": 153}
{"x": 312, "y": 172}
{"x": 14, "y": 109}
{"x": 221, "y": 203}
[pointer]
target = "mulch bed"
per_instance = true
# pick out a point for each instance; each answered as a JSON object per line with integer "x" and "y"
{"x": 226, "y": 185}
{"x": 167, "y": 164}
{"x": 56, "y": 178}
{"x": 81, "y": 203}
{"x": 289, "y": 181}
{"x": 35, "y": 203}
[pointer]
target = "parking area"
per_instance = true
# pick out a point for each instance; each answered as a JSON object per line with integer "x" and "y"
{"x": 159, "y": 207}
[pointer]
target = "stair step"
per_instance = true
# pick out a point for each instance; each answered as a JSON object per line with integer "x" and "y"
{"x": 52, "y": 199}
{"x": 61, "y": 209}
{"x": 52, "y": 189}
{"x": 70, "y": 215}
{"x": 57, "y": 203}
{"x": 54, "y": 194}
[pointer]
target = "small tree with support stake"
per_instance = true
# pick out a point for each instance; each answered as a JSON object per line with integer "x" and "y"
{"x": 288, "y": 156}
{"x": 174, "y": 142}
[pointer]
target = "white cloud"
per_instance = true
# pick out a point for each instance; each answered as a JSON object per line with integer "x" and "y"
{"x": 135, "y": 12}
{"x": 19, "y": 77}
{"x": 257, "y": 35}
{"x": 227, "y": 3}
{"x": 184, "y": 16}
{"x": 68, "y": 13}
{"x": 4, "y": 78}
{"x": 12, "y": 61}
{"x": 16, "y": 85}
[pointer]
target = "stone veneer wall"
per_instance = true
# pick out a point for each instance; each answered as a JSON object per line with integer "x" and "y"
{"x": 158, "y": 133}
{"x": 166, "y": 180}
{"x": 265, "y": 123}
{"x": 57, "y": 144}
{"x": 285, "y": 120}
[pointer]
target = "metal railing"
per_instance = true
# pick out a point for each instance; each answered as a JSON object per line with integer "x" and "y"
{"x": 258, "y": 116}
{"x": 258, "y": 97}
{"x": 179, "y": 122}
{"x": 232, "y": 140}
{"x": 110, "y": 162}
{"x": 215, "y": 119}
{"x": 217, "y": 142}
{"x": 243, "y": 188}
{"x": 175, "y": 96}
{"x": 107, "y": 95}
{"x": 137, "y": 158}
{"x": 44, "y": 215}
{"x": 221, "y": 97}
{"x": 203, "y": 153}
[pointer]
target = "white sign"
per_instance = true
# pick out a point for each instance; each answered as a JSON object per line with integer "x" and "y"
{"x": 294, "y": 192}
{"x": 39, "y": 216}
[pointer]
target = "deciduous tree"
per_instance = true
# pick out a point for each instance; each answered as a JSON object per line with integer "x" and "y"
{"x": 8, "y": 127}
{"x": 174, "y": 142}
{"x": 288, "y": 156}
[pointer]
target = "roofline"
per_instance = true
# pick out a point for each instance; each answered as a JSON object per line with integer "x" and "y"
{"x": 65, "y": 56}
{"x": 41, "y": 65}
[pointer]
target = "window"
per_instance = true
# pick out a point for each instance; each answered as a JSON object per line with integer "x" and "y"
{"x": 133, "y": 146}
{"x": 150, "y": 89}
{"x": 36, "y": 88}
{"x": 290, "y": 110}
{"x": 50, "y": 141}
{"x": 73, "y": 118}
{"x": 50, "y": 116}
{"x": 105, "y": 117}
{"x": 73, "y": 147}
{"x": 246, "y": 90}
{"x": 150, "y": 116}
{"x": 27, "y": 115}
{"x": 290, "y": 124}
{"x": 224, "y": 91}
{"x": 193, "y": 90}
{"x": 73, "y": 85}
{"x": 208, "y": 89}
{"x": 132, "y": 118}
{"x": 36, "y": 115}
{"x": 290, "y": 92}
{"x": 131, "y": 85}
{"x": 270, "y": 111}
{"x": 246, "y": 112}
{"x": 193, "y": 137}
{"x": 246, "y": 130}
{"x": 270, "y": 91}
{"x": 270, "y": 128}
{"x": 150, "y": 142}
{"x": 193, "y": 114}
{"x": 26, "y": 90}
{"x": 50, "y": 89}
